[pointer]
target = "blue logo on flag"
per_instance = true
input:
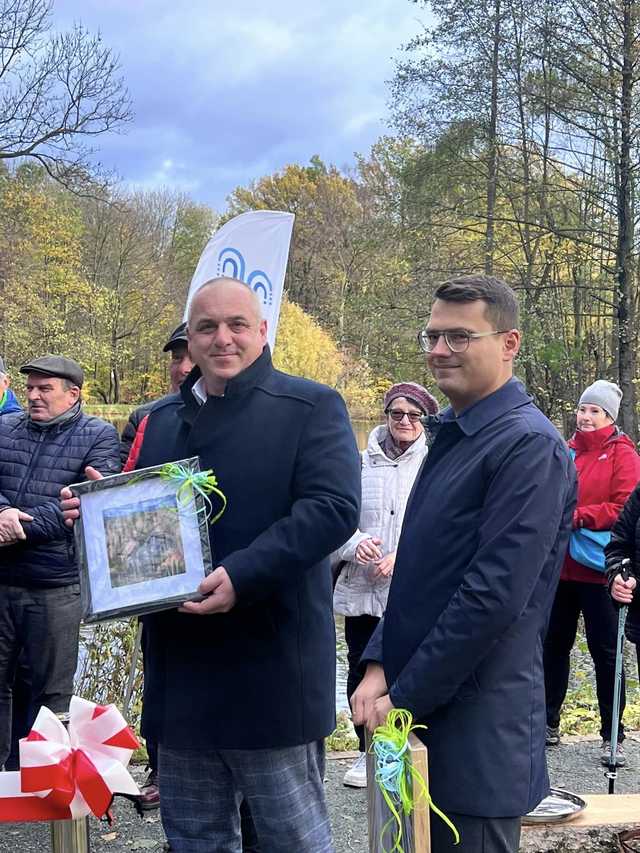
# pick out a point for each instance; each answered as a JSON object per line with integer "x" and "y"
{"x": 231, "y": 263}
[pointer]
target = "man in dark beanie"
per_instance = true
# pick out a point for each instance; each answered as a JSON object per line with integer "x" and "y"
{"x": 42, "y": 450}
{"x": 180, "y": 366}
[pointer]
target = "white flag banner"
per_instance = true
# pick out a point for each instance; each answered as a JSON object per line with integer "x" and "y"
{"x": 252, "y": 247}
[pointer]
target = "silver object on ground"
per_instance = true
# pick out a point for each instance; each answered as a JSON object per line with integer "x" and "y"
{"x": 557, "y": 807}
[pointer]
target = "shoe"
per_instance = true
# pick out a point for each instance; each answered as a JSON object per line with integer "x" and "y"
{"x": 553, "y": 736}
{"x": 150, "y": 792}
{"x": 606, "y": 752}
{"x": 356, "y": 775}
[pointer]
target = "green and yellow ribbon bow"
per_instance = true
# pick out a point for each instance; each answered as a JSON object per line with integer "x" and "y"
{"x": 398, "y": 779}
{"x": 189, "y": 482}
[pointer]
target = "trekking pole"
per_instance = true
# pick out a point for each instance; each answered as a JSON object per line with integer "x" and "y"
{"x": 611, "y": 772}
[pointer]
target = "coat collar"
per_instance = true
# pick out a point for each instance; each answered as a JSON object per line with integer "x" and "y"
{"x": 509, "y": 396}
{"x": 595, "y": 439}
{"x": 377, "y": 437}
{"x": 236, "y": 387}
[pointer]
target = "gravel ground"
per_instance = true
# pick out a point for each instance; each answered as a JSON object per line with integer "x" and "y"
{"x": 574, "y": 765}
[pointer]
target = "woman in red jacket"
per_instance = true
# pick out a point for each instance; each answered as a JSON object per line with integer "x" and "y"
{"x": 608, "y": 469}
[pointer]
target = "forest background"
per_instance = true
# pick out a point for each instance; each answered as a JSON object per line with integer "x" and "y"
{"x": 513, "y": 149}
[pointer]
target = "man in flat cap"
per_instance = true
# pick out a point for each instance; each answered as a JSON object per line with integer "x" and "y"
{"x": 42, "y": 450}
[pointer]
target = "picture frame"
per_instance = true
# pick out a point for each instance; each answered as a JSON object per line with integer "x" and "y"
{"x": 142, "y": 541}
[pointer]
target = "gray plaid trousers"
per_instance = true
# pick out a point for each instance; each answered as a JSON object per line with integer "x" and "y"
{"x": 201, "y": 792}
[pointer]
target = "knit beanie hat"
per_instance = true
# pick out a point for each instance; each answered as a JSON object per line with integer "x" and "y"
{"x": 605, "y": 394}
{"x": 414, "y": 392}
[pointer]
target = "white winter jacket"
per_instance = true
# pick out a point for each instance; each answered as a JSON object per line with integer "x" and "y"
{"x": 386, "y": 484}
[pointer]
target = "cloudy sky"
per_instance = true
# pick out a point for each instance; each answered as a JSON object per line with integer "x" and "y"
{"x": 227, "y": 92}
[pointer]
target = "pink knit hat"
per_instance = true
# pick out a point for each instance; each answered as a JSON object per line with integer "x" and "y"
{"x": 414, "y": 392}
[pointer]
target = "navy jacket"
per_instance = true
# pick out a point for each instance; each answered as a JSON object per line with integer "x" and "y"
{"x": 262, "y": 675}
{"x": 475, "y": 575}
{"x": 36, "y": 461}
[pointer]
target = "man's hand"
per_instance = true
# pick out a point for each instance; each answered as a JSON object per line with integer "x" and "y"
{"x": 384, "y": 567}
{"x": 10, "y": 525}
{"x": 69, "y": 505}
{"x": 372, "y": 687}
{"x": 368, "y": 551}
{"x": 378, "y": 714}
{"x": 621, "y": 590}
{"x": 219, "y": 592}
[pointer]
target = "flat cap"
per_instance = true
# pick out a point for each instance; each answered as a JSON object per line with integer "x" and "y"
{"x": 178, "y": 336}
{"x": 56, "y": 365}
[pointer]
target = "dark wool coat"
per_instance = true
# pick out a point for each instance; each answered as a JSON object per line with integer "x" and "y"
{"x": 476, "y": 571}
{"x": 36, "y": 461}
{"x": 262, "y": 675}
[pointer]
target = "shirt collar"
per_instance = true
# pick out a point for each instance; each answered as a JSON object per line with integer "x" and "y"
{"x": 199, "y": 391}
{"x": 509, "y": 396}
{"x": 194, "y": 388}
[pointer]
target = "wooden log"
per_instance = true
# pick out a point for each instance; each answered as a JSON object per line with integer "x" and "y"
{"x": 595, "y": 830}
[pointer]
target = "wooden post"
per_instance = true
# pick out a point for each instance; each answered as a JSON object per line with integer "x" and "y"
{"x": 416, "y": 829}
{"x": 69, "y": 836}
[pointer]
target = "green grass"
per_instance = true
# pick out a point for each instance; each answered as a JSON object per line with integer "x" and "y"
{"x": 343, "y": 738}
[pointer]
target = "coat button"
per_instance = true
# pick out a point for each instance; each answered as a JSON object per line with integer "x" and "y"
{"x": 392, "y": 512}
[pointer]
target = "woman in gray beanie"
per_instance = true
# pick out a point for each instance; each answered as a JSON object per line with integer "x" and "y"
{"x": 394, "y": 454}
{"x": 608, "y": 469}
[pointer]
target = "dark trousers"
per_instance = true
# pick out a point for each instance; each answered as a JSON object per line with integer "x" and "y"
{"x": 357, "y": 633}
{"x": 601, "y": 625}
{"x": 43, "y": 624}
{"x": 20, "y": 712}
{"x": 477, "y": 834}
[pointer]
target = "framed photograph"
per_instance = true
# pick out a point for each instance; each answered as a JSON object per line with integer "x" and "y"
{"x": 142, "y": 541}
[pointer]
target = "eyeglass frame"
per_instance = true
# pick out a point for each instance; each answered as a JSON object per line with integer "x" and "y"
{"x": 412, "y": 420}
{"x": 470, "y": 336}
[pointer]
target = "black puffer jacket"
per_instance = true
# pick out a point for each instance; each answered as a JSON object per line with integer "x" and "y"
{"x": 35, "y": 463}
{"x": 625, "y": 542}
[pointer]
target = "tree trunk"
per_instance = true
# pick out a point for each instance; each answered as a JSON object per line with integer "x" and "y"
{"x": 624, "y": 246}
{"x": 492, "y": 176}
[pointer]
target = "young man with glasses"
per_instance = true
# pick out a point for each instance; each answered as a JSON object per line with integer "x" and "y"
{"x": 476, "y": 570}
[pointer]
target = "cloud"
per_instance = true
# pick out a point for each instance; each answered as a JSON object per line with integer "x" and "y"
{"x": 225, "y": 95}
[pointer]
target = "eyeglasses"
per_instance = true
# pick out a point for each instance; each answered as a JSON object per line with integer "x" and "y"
{"x": 398, "y": 415}
{"x": 456, "y": 340}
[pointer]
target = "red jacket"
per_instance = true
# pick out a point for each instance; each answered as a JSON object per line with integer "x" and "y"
{"x": 608, "y": 468}
{"x": 136, "y": 447}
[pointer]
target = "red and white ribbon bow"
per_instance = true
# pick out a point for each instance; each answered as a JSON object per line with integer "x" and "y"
{"x": 74, "y": 771}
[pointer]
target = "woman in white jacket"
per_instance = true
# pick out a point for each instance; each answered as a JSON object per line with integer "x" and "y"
{"x": 394, "y": 454}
